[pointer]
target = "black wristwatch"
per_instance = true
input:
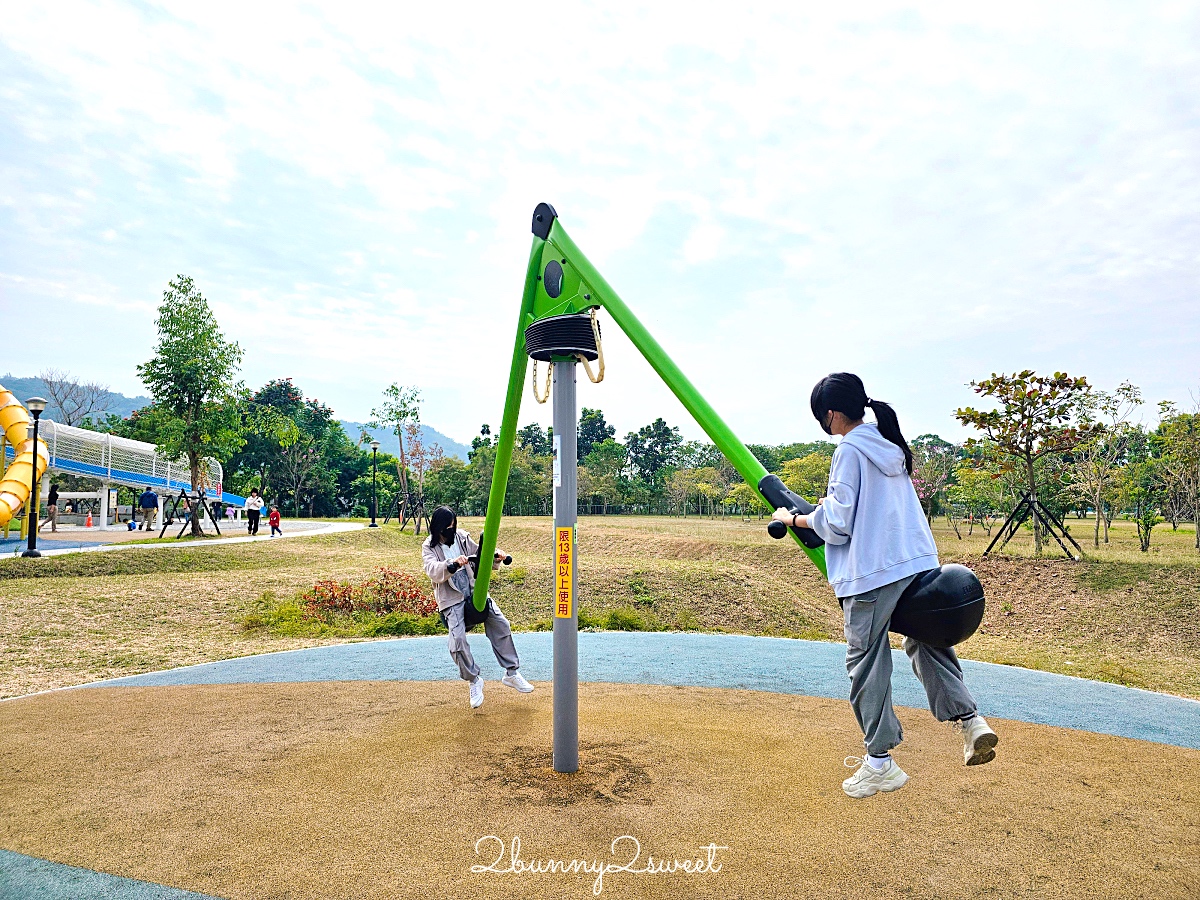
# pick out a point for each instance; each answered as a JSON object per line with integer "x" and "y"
{"x": 794, "y": 525}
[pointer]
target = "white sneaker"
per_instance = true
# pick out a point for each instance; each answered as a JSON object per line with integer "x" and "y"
{"x": 979, "y": 741}
{"x": 477, "y": 692}
{"x": 517, "y": 680}
{"x": 867, "y": 781}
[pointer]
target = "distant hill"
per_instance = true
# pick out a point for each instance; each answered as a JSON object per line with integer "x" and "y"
{"x": 389, "y": 444}
{"x": 24, "y": 388}
{"x": 120, "y": 405}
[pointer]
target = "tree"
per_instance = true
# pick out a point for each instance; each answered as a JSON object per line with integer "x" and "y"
{"x": 421, "y": 457}
{"x": 746, "y": 499}
{"x": 605, "y": 466}
{"x": 934, "y": 460}
{"x": 536, "y": 441}
{"x": 592, "y": 430}
{"x": 1141, "y": 487}
{"x": 680, "y": 486}
{"x": 73, "y": 400}
{"x": 191, "y": 378}
{"x": 1179, "y": 434}
{"x": 1095, "y": 464}
{"x": 400, "y": 406}
{"x": 298, "y": 469}
{"x": 652, "y": 448}
{"x": 1037, "y": 417}
{"x": 980, "y": 493}
{"x": 448, "y": 483}
{"x": 808, "y": 475}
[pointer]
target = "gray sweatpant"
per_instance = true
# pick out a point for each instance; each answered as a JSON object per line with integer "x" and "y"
{"x": 498, "y": 632}
{"x": 869, "y": 663}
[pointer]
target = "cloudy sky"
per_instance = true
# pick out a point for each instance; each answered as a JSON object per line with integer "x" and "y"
{"x": 919, "y": 194}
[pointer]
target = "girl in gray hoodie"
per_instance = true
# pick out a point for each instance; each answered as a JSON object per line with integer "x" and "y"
{"x": 877, "y": 541}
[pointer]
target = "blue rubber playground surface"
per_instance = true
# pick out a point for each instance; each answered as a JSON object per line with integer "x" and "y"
{"x": 776, "y": 665}
{"x": 694, "y": 660}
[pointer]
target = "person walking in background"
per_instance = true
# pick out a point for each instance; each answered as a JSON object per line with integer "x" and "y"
{"x": 254, "y": 505}
{"x": 51, "y": 509}
{"x": 148, "y": 504}
{"x": 273, "y": 519}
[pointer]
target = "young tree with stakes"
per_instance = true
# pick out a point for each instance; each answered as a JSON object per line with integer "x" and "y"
{"x": 1036, "y": 417}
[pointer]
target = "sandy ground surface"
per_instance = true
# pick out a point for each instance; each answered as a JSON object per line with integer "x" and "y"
{"x": 381, "y": 789}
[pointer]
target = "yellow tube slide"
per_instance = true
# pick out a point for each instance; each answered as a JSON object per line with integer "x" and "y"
{"x": 18, "y": 477}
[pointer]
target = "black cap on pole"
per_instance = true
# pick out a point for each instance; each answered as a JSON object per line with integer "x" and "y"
{"x": 543, "y": 217}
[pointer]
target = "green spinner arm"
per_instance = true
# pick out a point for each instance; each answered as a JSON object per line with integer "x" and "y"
{"x": 582, "y": 288}
{"x": 508, "y": 429}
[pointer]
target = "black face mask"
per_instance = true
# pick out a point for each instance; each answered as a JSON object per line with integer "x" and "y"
{"x": 448, "y": 535}
{"x": 825, "y": 420}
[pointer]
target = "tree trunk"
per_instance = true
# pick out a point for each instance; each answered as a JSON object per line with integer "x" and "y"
{"x": 403, "y": 462}
{"x": 1099, "y": 515}
{"x": 1037, "y": 530}
{"x": 194, "y": 466}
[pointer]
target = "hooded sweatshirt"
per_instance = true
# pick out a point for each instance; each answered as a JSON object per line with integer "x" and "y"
{"x": 874, "y": 529}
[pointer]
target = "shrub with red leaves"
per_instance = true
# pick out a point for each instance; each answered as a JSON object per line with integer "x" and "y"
{"x": 386, "y": 591}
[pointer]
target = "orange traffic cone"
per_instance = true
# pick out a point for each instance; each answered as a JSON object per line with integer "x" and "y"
{"x": 89, "y": 520}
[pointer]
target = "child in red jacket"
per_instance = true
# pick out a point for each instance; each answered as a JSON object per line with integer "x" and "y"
{"x": 273, "y": 519}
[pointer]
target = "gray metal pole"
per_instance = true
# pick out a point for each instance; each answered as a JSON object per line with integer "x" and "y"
{"x": 566, "y": 612}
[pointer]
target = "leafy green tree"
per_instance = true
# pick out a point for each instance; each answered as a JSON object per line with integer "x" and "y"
{"x": 746, "y": 500}
{"x": 191, "y": 378}
{"x": 653, "y": 448}
{"x": 808, "y": 475}
{"x": 1179, "y": 434}
{"x": 784, "y": 452}
{"x": 1037, "y": 415}
{"x": 934, "y": 461}
{"x": 533, "y": 439}
{"x": 400, "y": 406}
{"x": 1142, "y": 490}
{"x": 768, "y": 456}
{"x": 1094, "y": 469}
{"x": 980, "y": 493}
{"x": 592, "y": 430}
{"x": 449, "y": 484}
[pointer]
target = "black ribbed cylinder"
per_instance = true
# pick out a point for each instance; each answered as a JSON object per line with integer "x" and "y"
{"x": 562, "y": 336}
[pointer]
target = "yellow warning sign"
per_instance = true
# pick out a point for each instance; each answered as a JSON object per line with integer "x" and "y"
{"x": 563, "y": 595}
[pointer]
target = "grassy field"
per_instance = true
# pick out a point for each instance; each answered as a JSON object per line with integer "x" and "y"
{"x": 1120, "y": 615}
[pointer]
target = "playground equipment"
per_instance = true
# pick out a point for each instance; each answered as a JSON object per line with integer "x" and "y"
{"x": 16, "y": 425}
{"x": 111, "y": 459}
{"x": 195, "y": 504}
{"x": 942, "y": 607}
{"x": 558, "y": 325}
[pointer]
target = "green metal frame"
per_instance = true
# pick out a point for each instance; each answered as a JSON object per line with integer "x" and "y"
{"x": 583, "y": 289}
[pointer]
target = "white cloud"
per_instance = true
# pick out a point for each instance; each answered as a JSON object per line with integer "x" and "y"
{"x": 922, "y": 195}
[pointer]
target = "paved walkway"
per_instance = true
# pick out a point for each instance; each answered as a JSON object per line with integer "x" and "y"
{"x": 94, "y": 540}
{"x": 778, "y": 665}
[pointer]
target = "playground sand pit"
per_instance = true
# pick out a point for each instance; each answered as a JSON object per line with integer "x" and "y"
{"x": 382, "y": 789}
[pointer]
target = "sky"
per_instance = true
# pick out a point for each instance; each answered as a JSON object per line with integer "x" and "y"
{"x": 922, "y": 195}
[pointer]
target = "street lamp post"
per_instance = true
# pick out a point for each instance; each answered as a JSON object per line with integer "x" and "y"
{"x": 374, "y": 488}
{"x": 35, "y": 405}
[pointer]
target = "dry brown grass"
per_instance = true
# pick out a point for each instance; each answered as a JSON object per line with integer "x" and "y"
{"x": 1122, "y": 616}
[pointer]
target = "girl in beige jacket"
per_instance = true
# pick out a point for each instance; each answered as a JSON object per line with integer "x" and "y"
{"x": 444, "y": 556}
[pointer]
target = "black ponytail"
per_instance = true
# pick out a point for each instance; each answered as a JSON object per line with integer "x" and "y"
{"x": 845, "y": 393}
